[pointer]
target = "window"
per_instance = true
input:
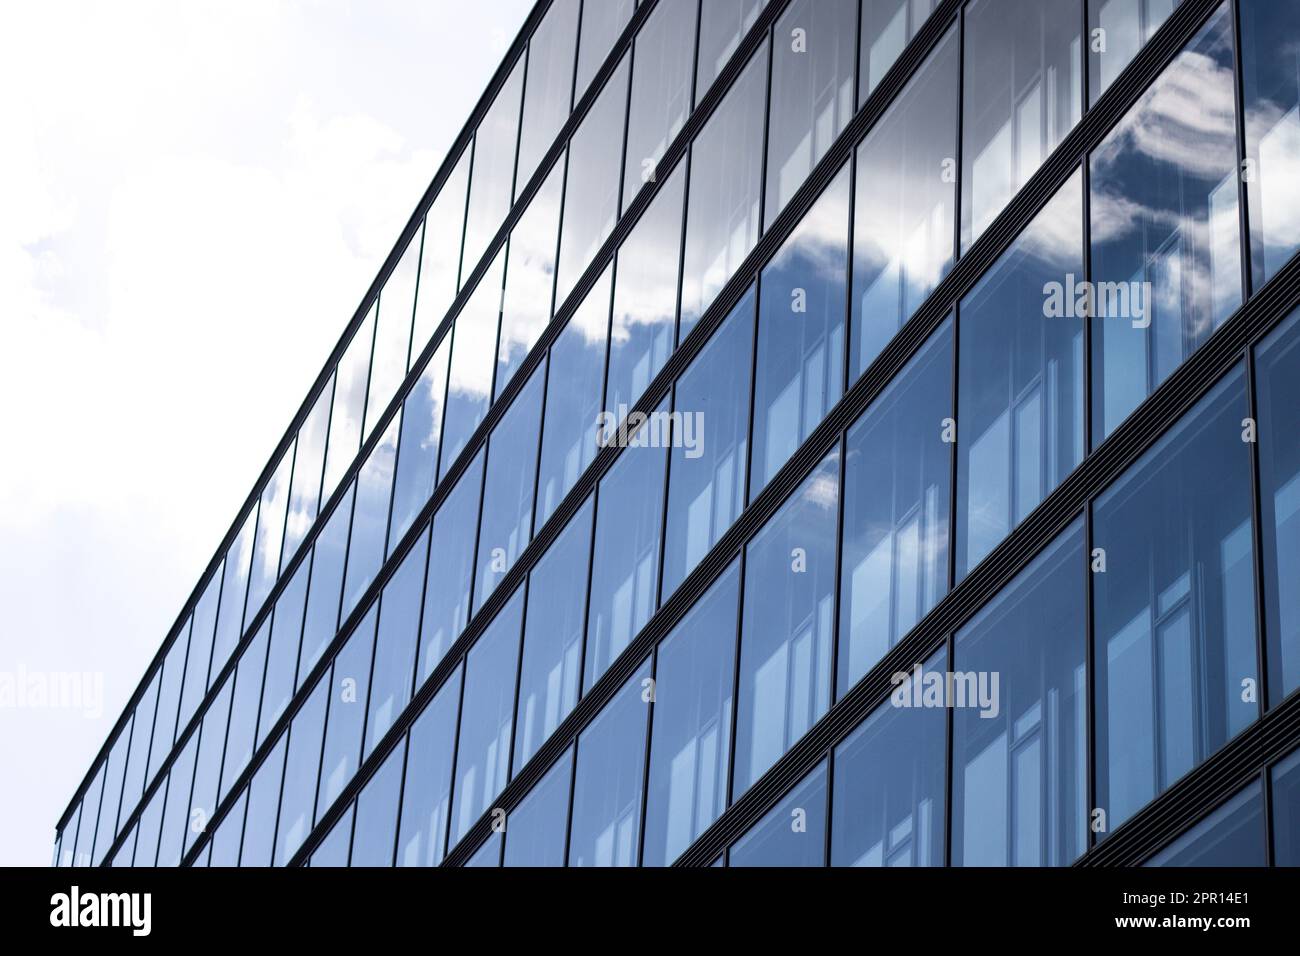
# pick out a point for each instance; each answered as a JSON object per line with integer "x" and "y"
{"x": 489, "y": 854}
{"x": 889, "y": 787}
{"x": 332, "y": 851}
{"x": 662, "y": 59}
{"x": 444, "y": 226}
{"x": 1020, "y": 378}
{"x": 788, "y": 624}
{"x": 896, "y": 481}
{"x": 263, "y": 798}
{"x": 325, "y": 591}
{"x": 114, "y": 765}
{"x": 483, "y": 751}
{"x": 224, "y": 848}
{"x": 903, "y": 207}
{"x": 1166, "y": 255}
{"x": 367, "y": 546}
{"x": 393, "y": 333}
{"x": 451, "y": 568}
{"x": 1284, "y": 797}
{"x": 351, "y": 382}
{"x": 473, "y": 360}
{"x": 417, "y": 448}
{"x": 492, "y": 182}
{"x": 176, "y": 812}
{"x": 706, "y": 472}
{"x": 505, "y": 527}
{"x": 1021, "y": 93}
{"x": 812, "y": 92}
{"x": 138, "y": 759}
{"x": 302, "y": 766}
{"x": 282, "y": 658}
{"x": 1117, "y": 29}
{"x": 1019, "y": 751}
{"x": 426, "y": 795}
{"x": 887, "y": 26}
{"x": 270, "y": 534}
{"x": 242, "y": 732}
{"x": 602, "y": 22}
{"x": 396, "y": 643}
{"x": 691, "y": 732}
{"x": 207, "y": 773}
{"x": 553, "y": 626}
{"x": 723, "y": 24}
{"x": 90, "y": 817}
{"x": 722, "y": 223}
{"x": 164, "y": 728}
{"x": 1232, "y": 835}
{"x": 800, "y": 367}
{"x": 197, "y": 661}
{"x": 1277, "y": 364}
{"x": 548, "y": 88}
{"x": 376, "y": 827}
{"x": 608, "y": 776}
{"x": 536, "y": 829}
{"x": 792, "y": 833}
{"x": 346, "y": 714}
{"x": 146, "y": 835}
{"x": 308, "y": 461}
{"x": 1174, "y": 613}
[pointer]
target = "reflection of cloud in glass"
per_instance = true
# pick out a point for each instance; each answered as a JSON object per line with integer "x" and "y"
{"x": 349, "y": 405}
{"x": 474, "y": 345}
{"x": 646, "y": 292}
{"x": 530, "y": 272}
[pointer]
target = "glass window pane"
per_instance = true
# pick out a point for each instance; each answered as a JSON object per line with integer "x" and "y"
{"x": 800, "y": 365}
{"x": 332, "y": 851}
{"x": 417, "y": 448}
{"x": 691, "y": 733}
{"x": 346, "y": 716}
{"x": 199, "y": 657}
{"x": 451, "y": 569}
{"x": 577, "y": 364}
{"x": 164, "y": 728}
{"x": 896, "y": 481}
{"x": 530, "y": 279}
{"x": 325, "y": 593}
{"x": 265, "y": 568}
{"x": 114, "y": 767}
{"x": 146, "y": 837}
{"x": 224, "y": 850}
{"x": 1021, "y": 410}
{"x": 483, "y": 750}
{"x": 535, "y": 832}
{"x": 1021, "y": 93}
{"x": 301, "y": 769}
{"x": 1166, "y": 243}
{"x": 645, "y": 298}
{"x": 788, "y": 625}
{"x": 1285, "y": 808}
{"x": 548, "y": 88}
{"x": 706, "y": 474}
{"x": 887, "y": 27}
{"x": 723, "y": 24}
{"x": 393, "y": 333}
{"x": 662, "y": 60}
{"x": 176, "y": 812}
{"x": 473, "y": 351}
{"x": 722, "y": 223}
{"x": 350, "y": 385}
{"x": 1232, "y": 835}
{"x": 89, "y": 819}
{"x": 242, "y": 732}
{"x": 904, "y": 205}
{"x": 426, "y": 794}
{"x": 491, "y": 184}
{"x": 812, "y": 92}
{"x": 505, "y": 527}
{"x": 282, "y": 658}
{"x": 602, "y": 22}
{"x": 263, "y": 800}
{"x": 793, "y": 833}
{"x": 376, "y": 826}
{"x": 1174, "y": 614}
{"x": 141, "y": 735}
{"x": 444, "y": 225}
{"x": 606, "y": 817}
{"x": 396, "y": 643}
{"x": 551, "y": 670}
{"x": 489, "y": 854}
{"x": 595, "y": 171}
{"x": 625, "y": 567}
{"x": 367, "y": 546}
{"x": 308, "y": 460}
{"x": 1117, "y": 29}
{"x": 207, "y": 772}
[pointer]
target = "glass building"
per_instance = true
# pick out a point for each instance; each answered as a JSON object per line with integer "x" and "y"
{"x": 648, "y": 510}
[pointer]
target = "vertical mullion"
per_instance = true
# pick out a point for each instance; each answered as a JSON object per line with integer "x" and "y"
{"x": 1239, "y": 105}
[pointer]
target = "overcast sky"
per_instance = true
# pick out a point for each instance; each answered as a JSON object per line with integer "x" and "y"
{"x": 193, "y": 198}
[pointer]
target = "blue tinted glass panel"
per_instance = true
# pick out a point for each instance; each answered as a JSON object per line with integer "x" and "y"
{"x": 138, "y": 760}
{"x": 440, "y": 257}
{"x": 199, "y": 657}
{"x": 793, "y": 833}
{"x": 241, "y": 735}
{"x": 351, "y": 382}
{"x": 393, "y": 333}
{"x": 602, "y": 22}
{"x": 146, "y": 836}
{"x": 270, "y": 535}
{"x": 1232, "y": 835}
{"x": 426, "y": 795}
{"x": 1285, "y": 800}
{"x": 207, "y": 771}
{"x": 263, "y": 801}
{"x": 176, "y": 813}
{"x": 489, "y": 854}
{"x": 1126, "y": 26}
{"x": 332, "y": 851}
{"x": 164, "y": 728}
{"x": 282, "y": 657}
{"x": 308, "y": 462}
{"x": 234, "y": 591}
{"x": 224, "y": 849}
{"x": 723, "y": 23}
{"x": 536, "y": 829}
{"x": 417, "y": 449}
{"x": 396, "y": 643}
{"x": 366, "y": 547}
{"x": 324, "y": 594}
{"x": 451, "y": 568}
{"x": 106, "y": 831}
{"x": 473, "y": 360}
{"x": 376, "y": 829}
{"x": 301, "y": 769}
{"x": 887, "y": 26}
{"x": 548, "y": 87}
{"x": 346, "y": 717}
{"x": 89, "y": 819}
{"x": 491, "y": 184}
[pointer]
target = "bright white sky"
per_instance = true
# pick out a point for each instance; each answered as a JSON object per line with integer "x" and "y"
{"x": 193, "y": 198}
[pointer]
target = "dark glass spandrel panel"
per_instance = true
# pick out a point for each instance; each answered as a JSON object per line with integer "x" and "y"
{"x": 483, "y": 749}
{"x": 308, "y": 461}
{"x": 138, "y": 760}
{"x": 265, "y": 566}
{"x": 887, "y": 27}
{"x": 690, "y": 737}
{"x": 722, "y": 219}
{"x": 723, "y": 24}
{"x": 889, "y": 801}
{"x": 645, "y": 298}
{"x": 800, "y": 366}
{"x": 602, "y": 22}
{"x": 224, "y": 849}
{"x": 663, "y": 56}
{"x": 1270, "y": 65}
{"x": 351, "y": 382}
{"x": 282, "y": 658}
{"x": 1174, "y": 613}
{"x": 1166, "y": 236}
{"x": 263, "y": 802}
{"x": 393, "y": 334}
{"x": 1117, "y": 30}
{"x": 325, "y": 592}
{"x": 904, "y": 206}
{"x": 89, "y": 819}
{"x": 551, "y": 672}
{"x": 897, "y": 477}
{"x": 473, "y": 361}
{"x": 451, "y": 569}
{"x": 625, "y": 567}
{"x": 417, "y": 448}
{"x": 793, "y": 833}
{"x": 346, "y": 717}
{"x": 1020, "y": 718}
{"x": 1285, "y": 810}
{"x": 706, "y": 471}
{"x": 491, "y": 184}
{"x": 426, "y": 794}
{"x": 530, "y": 278}
{"x": 812, "y": 92}
{"x": 368, "y": 543}
{"x": 444, "y": 227}
{"x": 788, "y": 625}
{"x": 1021, "y": 411}
{"x": 176, "y": 812}
{"x": 242, "y": 733}
{"x": 375, "y": 834}
{"x": 301, "y": 770}
{"x": 106, "y": 831}
{"x": 606, "y": 819}
{"x": 164, "y": 728}
{"x": 576, "y": 368}
{"x": 146, "y": 829}
{"x": 396, "y": 643}
{"x": 548, "y": 88}
{"x": 198, "y": 659}
{"x": 1232, "y": 835}
{"x": 535, "y": 831}
{"x": 332, "y": 851}
{"x": 594, "y": 173}
{"x": 207, "y": 771}
{"x": 1277, "y": 377}
{"x": 489, "y": 854}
